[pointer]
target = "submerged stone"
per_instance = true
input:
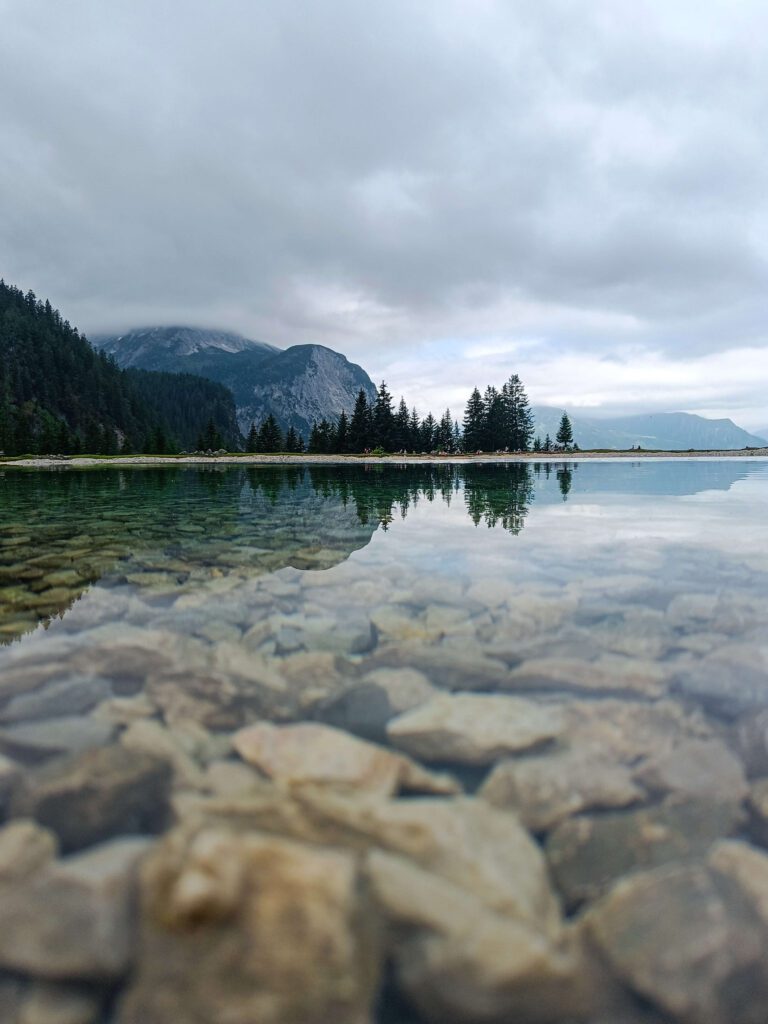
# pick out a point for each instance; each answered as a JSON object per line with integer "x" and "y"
{"x": 473, "y": 728}
{"x": 72, "y": 696}
{"x": 550, "y": 787}
{"x": 313, "y": 753}
{"x": 687, "y": 939}
{"x": 587, "y": 853}
{"x": 366, "y": 707}
{"x": 248, "y": 928}
{"x": 95, "y": 796}
{"x": 697, "y": 768}
{"x": 38, "y": 741}
{"x": 73, "y": 918}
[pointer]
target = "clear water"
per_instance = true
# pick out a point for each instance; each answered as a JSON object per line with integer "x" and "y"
{"x": 630, "y": 593}
{"x": 184, "y": 547}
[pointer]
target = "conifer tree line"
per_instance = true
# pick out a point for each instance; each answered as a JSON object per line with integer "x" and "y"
{"x": 498, "y": 420}
{"x": 372, "y": 425}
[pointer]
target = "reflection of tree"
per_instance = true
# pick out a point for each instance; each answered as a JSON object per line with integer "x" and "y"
{"x": 111, "y": 524}
{"x": 380, "y": 493}
{"x": 564, "y": 480}
{"x": 499, "y": 495}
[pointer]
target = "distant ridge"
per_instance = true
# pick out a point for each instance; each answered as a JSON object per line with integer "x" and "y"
{"x": 662, "y": 431}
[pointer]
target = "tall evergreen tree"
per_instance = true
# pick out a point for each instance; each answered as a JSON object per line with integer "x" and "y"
{"x": 341, "y": 434}
{"x": 402, "y": 432}
{"x": 252, "y": 441}
{"x": 444, "y": 433}
{"x": 428, "y": 432}
{"x": 383, "y": 419}
{"x": 565, "y": 432}
{"x": 518, "y": 418}
{"x": 457, "y": 438}
{"x": 474, "y": 422}
{"x": 270, "y": 437}
{"x": 292, "y": 441}
{"x": 414, "y": 431}
{"x": 360, "y": 424}
{"x": 492, "y": 435}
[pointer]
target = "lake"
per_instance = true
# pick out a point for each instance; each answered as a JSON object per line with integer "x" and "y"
{"x": 402, "y": 743}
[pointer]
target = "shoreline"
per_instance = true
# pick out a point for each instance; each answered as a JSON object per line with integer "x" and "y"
{"x": 87, "y": 462}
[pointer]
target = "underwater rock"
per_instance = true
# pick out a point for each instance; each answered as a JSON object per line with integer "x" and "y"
{"x": 549, "y": 787}
{"x": 248, "y": 927}
{"x": 589, "y": 852}
{"x": 97, "y": 795}
{"x": 309, "y": 752}
{"x": 470, "y": 728}
{"x": 73, "y": 918}
{"x": 687, "y": 939}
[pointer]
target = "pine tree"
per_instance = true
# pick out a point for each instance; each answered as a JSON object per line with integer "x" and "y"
{"x": 565, "y": 432}
{"x": 292, "y": 440}
{"x": 537, "y": 444}
{"x": 474, "y": 422}
{"x": 383, "y": 419}
{"x": 341, "y": 434}
{"x": 402, "y": 431}
{"x": 457, "y": 439}
{"x": 518, "y": 418}
{"x": 252, "y": 439}
{"x": 428, "y": 432}
{"x": 414, "y": 430}
{"x": 315, "y": 445}
{"x": 360, "y": 424}
{"x": 547, "y": 444}
{"x": 270, "y": 437}
{"x": 492, "y": 435}
{"x": 444, "y": 435}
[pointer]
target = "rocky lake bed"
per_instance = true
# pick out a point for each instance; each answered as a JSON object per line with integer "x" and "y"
{"x": 418, "y": 744}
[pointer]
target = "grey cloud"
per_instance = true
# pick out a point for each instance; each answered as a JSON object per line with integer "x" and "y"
{"x": 411, "y": 166}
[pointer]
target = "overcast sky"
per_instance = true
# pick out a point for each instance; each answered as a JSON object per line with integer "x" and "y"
{"x": 447, "y": 192}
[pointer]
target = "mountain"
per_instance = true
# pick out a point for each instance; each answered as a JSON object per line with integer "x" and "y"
{"x": 664, "y": 431}
{"x": 166, "y": 348}
{"x": 298, "y": 385}
{"x": 58, "y": 395}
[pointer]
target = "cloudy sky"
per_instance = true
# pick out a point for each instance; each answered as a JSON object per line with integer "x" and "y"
{"x": 445, "y": 190}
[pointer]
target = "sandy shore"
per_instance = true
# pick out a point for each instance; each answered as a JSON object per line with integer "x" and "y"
{"x": 193, "y": 460}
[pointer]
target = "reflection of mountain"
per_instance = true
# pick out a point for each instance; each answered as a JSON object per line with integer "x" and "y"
{"x": 171, "y": 530}
{"x": 665, "y": 477}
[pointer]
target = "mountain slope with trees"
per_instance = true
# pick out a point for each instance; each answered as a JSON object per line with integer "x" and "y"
{"x": 59, "y": 395}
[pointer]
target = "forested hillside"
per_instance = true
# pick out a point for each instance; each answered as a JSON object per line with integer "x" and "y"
{"x": 59, "y": 395}
{"x": 192, "y": 408}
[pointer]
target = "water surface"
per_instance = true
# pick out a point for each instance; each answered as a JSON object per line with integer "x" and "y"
{"x": 626, "y": 599}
